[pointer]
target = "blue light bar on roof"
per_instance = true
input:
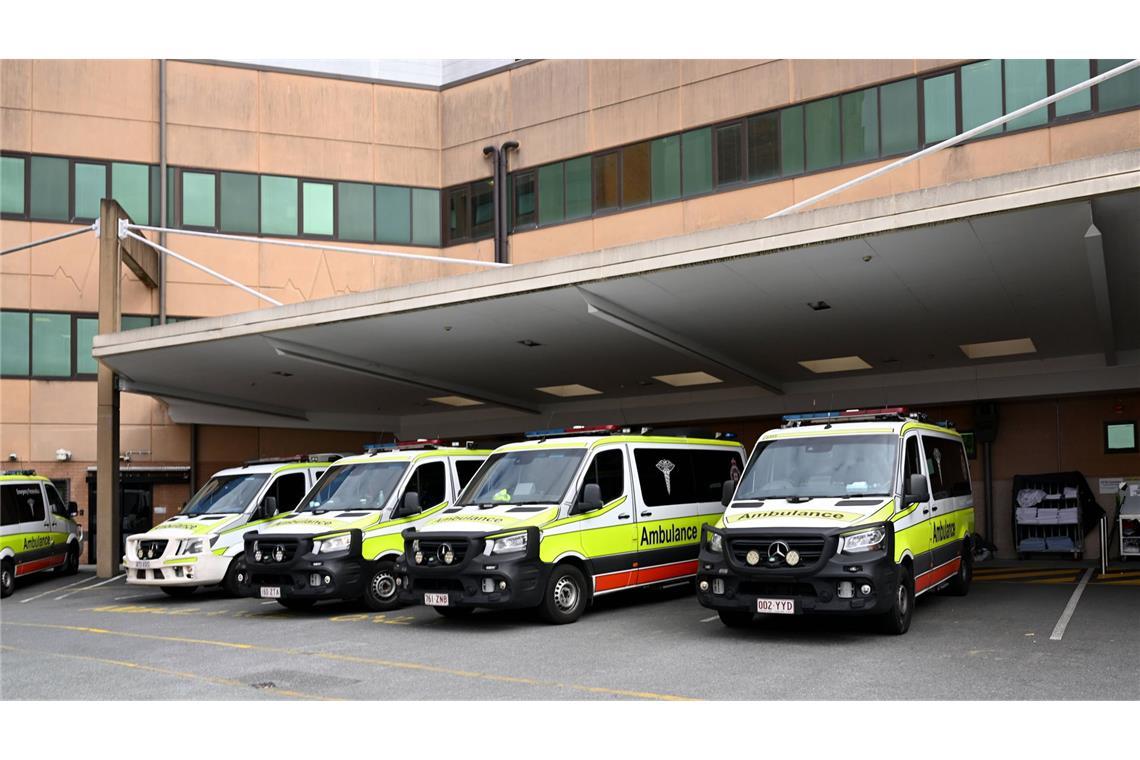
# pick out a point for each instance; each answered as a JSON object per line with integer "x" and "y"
{"x": 370, "y": 447}
{"x": 811, "y": 416}
{"x": 574, "y": 430}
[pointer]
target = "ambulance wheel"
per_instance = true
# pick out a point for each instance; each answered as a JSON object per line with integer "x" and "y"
{"x": 896, "y": 620}
{"x": 7, "y": 579}
{"x": 454, "y": 612}
{"x": 297, "y": 604}
{"x": 735, "y": 618}
{"x": 565, "y": 598}
{"x": 70, "y": 565}
{"x": 380, "y": 591}
{"x": 235, "y": 576}
{"x": 178, "y": 592}
{"x": 960, "y": 583}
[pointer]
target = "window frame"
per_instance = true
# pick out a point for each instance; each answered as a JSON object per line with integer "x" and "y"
{"x": 26, "y": 158}
{"x": 595, "y": 160}
{"x": 741, "y": 126}
{"x": 72, "y": 218}
{"x": 1135, "y": 439}
{"x": 513, "y": 177}
{"x": 257, "y": 186}
{"x": 301, "y": 182}
{"x": 462, "y": 216}
{"x": 178, "y": 202}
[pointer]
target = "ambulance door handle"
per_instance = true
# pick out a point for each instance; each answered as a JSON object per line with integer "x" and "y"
{"x": 934, "y": 509}
{"x": 647, "y": 513}
{"x": 926, "y": 511}
{"x": 624, "y": 517}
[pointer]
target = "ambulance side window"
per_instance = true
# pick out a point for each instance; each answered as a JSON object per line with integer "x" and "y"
{"x": 29, "y": 502}
{"x": 912, "y": 464}
{"x": 666, "y": 476}
{"x": 608, "y": 471}
{"x": 946, "y": 462}
{"x": 9, "y": 506}
{"x": 430, "y": 482}
{"x": 57, "y": 505}
{"x": 288, "y": 490}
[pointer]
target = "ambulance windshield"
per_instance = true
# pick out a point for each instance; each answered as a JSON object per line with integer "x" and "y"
{"x": 523, "y": 477}
{"x": 225, "y": 495}
{"x": 821, "y": 467}
{"x": 368, "y": 485}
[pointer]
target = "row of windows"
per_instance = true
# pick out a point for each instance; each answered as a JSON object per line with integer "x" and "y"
{"x": 886, "y": 120}
{"x": 693, "y": 475}
{"x": 54, "y": 345}
{"x": 52, "y": 188}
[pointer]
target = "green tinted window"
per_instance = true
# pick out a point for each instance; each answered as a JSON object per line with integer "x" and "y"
{"x": 1066, "y": 73}
{"x": 86, "y": 328}
{"x": 354, "y": 206}
{"x": 578, "y": 188}
{"x": 155, "y": 202}
{"x": 238, "y": 202}
{"x": 318, "y": 206}
{"x": 696, "y": 161}
{"x": 51, "y": 345}
{"x": 136, "y": 322}
{"x": 170, "y": 187}
{"x": 458, "y": 214}
{"x": 482, "y": 208}
{"x": 90, "y": 188}
{"x": 1121, "y": 91}
{"x": 278, "y": 206}
{"x": 14, "y": 343}
{"x": 860, "y": 125}
{"x": 822, "y": 120}
{"x": 792, "y": 140}
{"x": 523, "y": 192}
{"x": 49, "y": 188}
{"x": 1025, "y": 83}
{"x": 393, "y": 214}
{"x": 198, "y": 199}
{"x": 981, "y": 94}
{"x": 729, "y": 154}
{"x": 764, "y": 146}
{"x": 938, "y": 111}
{"x": 425, "y": 216}
{"x": 130, "y": 186}
{"x": 551, "y": 194}
{"x": 665, "y": 157}
{"x": 899, "y": 105}
{"x": 11, "y": 185}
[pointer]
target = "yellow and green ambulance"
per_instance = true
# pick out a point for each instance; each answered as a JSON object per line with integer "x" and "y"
{"x": 37, "y": 530}
{"x": 202, "y": 545}
{"x": 344, "y": 538}
{"x": 568, "y": 515}
{"x": 848, "y": 512}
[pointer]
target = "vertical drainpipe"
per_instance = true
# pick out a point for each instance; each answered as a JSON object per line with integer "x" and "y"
{"x": 162, "y": 188}
{"x": 491, "y": 152}
{"x": 503, "y": 200}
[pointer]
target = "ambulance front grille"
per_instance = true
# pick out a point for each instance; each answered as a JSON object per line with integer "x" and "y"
{"x": 810, "y": 549}
{"x": 151, "y": 549}
{"x": 434, "y": 550}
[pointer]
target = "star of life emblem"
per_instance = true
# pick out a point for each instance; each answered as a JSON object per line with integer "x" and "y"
{"x": 666, "y": 468}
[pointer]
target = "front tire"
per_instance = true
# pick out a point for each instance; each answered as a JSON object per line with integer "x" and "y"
{"x": 235, "y": 576}
{"x": 7, "y": 579}
{"x": 960, "y": 583}
{"x": 565, "y": 598}
{"x": 380, "y": 592}
{"x": 178, "y": 592}
{"x": 735, "y": 618}
{"x": 896, "y": 621}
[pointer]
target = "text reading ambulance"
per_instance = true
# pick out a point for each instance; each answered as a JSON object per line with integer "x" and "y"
{"x": 37, "y": 530}
{"x": 568, "y": 515}
{"x": 202, "y": 545}
{"x": 344, "y": 538}
{"x": 855, "y": 511}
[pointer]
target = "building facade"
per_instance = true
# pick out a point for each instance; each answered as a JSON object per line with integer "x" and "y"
{"x": 610, "y": 154}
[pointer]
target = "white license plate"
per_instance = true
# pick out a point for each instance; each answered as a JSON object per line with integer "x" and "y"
{"x": 147, "y": 564}
{"x": 776, "y": 606}
{"x": 270, "y": 592}
{"x": 435, "y": 600}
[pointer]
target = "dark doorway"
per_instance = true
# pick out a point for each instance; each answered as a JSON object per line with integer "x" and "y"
{"x": 136, "y": 502}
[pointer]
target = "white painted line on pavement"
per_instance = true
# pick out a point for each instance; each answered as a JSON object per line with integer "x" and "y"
{"x": 709, "y": 619}
{"x": 1071, "y": 607}
{"x": 53, "y": 590}
{"x": 93, "y": 585}
{"x": 270, "y": 602}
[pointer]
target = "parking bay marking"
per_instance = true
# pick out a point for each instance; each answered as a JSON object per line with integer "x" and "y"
{"x": 94, "y": 585}
{"x": 165, "y": 671}
{"x": 53, "y": 590}
{"x": 1071, "y": 607}
{"x": 394, "y": 664}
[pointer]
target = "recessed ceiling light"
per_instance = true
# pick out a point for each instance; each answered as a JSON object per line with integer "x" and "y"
{"x": 838, "y": 364}
{"x": 528, "y": 343}
{"x": 682, "y": 379}
{"x": 455, "y": 401}
{"x": 998, "y": 348}
{"x": 566, "y": 391}
{"x": 819, "y": 305}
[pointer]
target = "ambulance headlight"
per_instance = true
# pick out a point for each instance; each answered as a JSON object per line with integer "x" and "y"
{"x": 715, "y": 543}
{"x": 868, "y": 540}
{"x": 193, "y": 546}
{"x": 507, "y": 544}
{"x": 334, "y": 544}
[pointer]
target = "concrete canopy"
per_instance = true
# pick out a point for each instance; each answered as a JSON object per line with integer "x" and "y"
{"x": 909, "y": 279}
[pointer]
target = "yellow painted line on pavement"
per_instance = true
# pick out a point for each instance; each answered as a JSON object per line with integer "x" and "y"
{"x": 164, "y": 671}
{"x": 1053, "y": 581}
{"x": 1027, "y": 571}
{"x": 1069, "y": 576}
{"x": 395, "y": 664}
{"x": 1128, "y": 582}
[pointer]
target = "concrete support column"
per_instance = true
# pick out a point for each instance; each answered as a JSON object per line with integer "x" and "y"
{"x": 107, "y": 508}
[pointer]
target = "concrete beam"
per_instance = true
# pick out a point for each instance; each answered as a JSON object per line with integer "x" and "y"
{"x": 1098, "y": 272}
{"x": 619, "y": 316}
{"x": 211, "y": 400}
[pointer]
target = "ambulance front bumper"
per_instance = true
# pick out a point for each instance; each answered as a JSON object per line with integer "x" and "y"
{"x": 832, "y": 583}
{"x": 161, "y": 564}
{"x": 298, "y": 572}
{"x": 513, "y": 580}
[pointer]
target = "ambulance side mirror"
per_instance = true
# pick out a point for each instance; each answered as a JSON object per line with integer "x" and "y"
{"x": 591, "y": 499}
{"x": 268, "y": 507}
{"x": 411, "y": 504}
{"x": 72, "y": 508}
{"x": 726, "y": 491}
{"x": 917, "y": 490}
